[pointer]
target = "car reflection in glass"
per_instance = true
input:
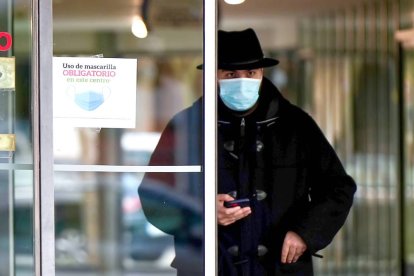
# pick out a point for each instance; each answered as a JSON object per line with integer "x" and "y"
{"x": 146, "y": 243}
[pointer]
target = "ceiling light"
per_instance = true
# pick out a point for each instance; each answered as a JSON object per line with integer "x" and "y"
{"x": 234, "y": 2}
{"x": 138, "y": 28}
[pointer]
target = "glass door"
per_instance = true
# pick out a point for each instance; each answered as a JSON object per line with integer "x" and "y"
{"x": 16, "y": 142}
{"x": 408, "y": 189}
{"x": 128, "y": 137}
{"x": 404, "y": 37}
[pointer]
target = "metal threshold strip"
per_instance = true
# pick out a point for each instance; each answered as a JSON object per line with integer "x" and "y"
{"x": 109, "y": 168}
{"x": 105, "y": 168}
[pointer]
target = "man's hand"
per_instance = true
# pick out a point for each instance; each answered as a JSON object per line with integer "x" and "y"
{"x": 293, "y": 247}
{"x": 227, "y": 216}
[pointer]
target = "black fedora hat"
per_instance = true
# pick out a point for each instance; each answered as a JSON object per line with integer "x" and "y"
{"x": 240, "y": 50}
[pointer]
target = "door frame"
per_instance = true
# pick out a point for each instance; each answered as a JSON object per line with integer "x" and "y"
{"x": 44, "y": 204}
{"x": 42, "y": 101}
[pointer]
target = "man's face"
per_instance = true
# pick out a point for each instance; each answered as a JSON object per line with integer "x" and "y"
{"x": 233, "y": 74}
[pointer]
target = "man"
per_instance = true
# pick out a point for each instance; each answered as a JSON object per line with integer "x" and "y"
{"x": 293, "y": 193}
{"x": 274, "y": 155}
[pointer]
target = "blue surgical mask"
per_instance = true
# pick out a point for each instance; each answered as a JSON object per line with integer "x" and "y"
{"x": 89, "y": 100}
{"x": 239, "y": 94}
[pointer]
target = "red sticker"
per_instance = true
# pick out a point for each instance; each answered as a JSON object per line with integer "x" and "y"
{"x": 5, "y": 41}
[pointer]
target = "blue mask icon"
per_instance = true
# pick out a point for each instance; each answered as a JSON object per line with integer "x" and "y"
{"x": 89, "y": 100}
{"x": 239, "y": 94}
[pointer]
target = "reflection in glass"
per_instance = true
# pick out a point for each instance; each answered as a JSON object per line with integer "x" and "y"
{"x": 100, "y": 224}
{"x": 406, "y": 10}
{"x": 16, "y": 145}
{"x": 173, "y": 202}
{"x": 353, "y": 100}
{"x": 409, "y": 161}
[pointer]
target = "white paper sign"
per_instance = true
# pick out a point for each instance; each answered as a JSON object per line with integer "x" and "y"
{"x": 94, "y": 92}
{"x": 7, "y": 73}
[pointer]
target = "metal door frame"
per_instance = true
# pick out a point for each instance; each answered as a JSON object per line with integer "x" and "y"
{"x": 44, "y": 221}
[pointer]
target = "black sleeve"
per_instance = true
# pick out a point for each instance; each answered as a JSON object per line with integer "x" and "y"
{"x": 331, "y": 192}
{"x": 172, "y": 201}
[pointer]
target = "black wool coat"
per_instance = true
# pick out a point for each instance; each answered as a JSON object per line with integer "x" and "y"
{"x": 174, "y": 201}
{"x": 278, "y": 158}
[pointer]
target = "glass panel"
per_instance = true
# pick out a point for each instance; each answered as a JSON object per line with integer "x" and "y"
{"x": 348, "y": 72}
{"x": 408, "y": 158}
{"x": 102, "y": 225}
{"x": 358, "y": 72}
{"x": 394, "y": 136}
{"x": 16, "y": 145}
{"x": 406, "y": 10}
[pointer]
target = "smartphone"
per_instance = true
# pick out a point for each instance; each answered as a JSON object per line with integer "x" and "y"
{"x": 243, "y": 202}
